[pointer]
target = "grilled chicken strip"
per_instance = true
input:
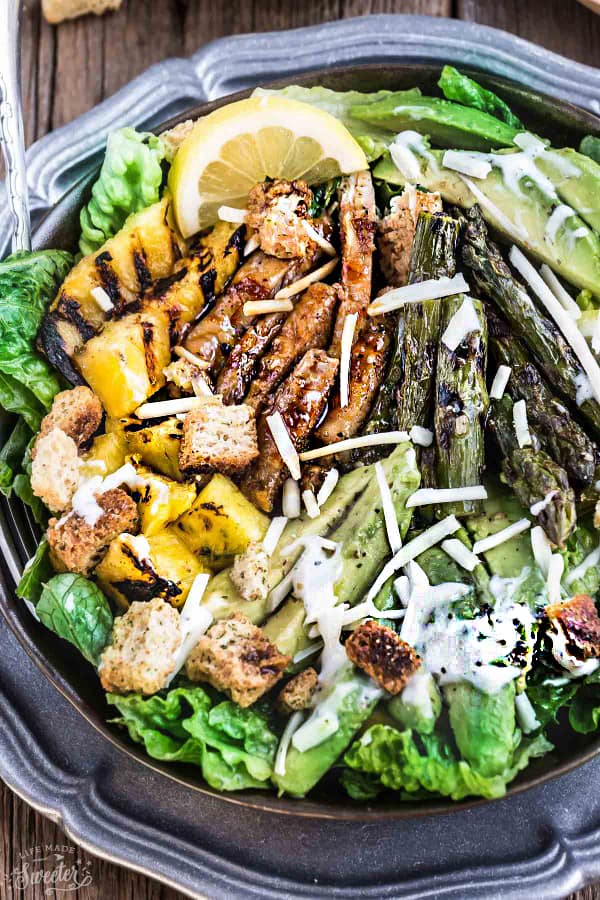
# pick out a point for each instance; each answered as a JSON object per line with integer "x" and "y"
{"x": 395, "y": 233}
{"x": 301, "y": 400}
{"x": 358, "y": 217}
{"x": 291, "y": 335}
{"x": 367, "y": 370}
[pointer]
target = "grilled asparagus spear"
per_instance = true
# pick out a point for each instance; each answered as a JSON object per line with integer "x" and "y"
{"x": 534, "y": 476}
{"x": 460, "y": 408}
{"x": 551, "y": 351}
{"x": 561, "y": 436}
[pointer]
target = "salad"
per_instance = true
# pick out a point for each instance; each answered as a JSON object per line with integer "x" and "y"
{"x": 310, "y": 424}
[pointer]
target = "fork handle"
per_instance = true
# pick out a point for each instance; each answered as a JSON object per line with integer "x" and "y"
{"x": 11, "y": 124}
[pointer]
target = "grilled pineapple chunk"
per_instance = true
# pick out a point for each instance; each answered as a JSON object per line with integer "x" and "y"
{"x": 136, "y": 568}
{"x": 157, "y": 444}
{"x": 161, "y": 501}
{"x": 124, "y": 363}
{"x": 106, "y": 455}
{"x": 221, "y": 523}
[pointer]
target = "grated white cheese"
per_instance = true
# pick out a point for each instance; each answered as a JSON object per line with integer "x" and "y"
{"x": 559, "y": 292}
{"x": 184, "y": 353}
{"x": 298, "y": 286}
{"x": 195, "y": 621}
{"x": 562, "y": 318}
{"x": 421, "y": 436}
{"x": 348, "y": 329}
{"x": 102, "y": 299}
{"x": 499, "y": 383}
{"x": 500, "y": 537}
{"x": 232, "y": 214}
{"x": 404, "y": 159}
{"x": 322, "y": 242}
{"x": 290, "y": 503}
{"x": 541, "y": 549}
{"x": 402, "y": 588}
{"x": 389, "y": 513}
{"x": 200, "y": 386}
{"x": 251, "y": 245}
{"x": 263, "y": 307}
{"x": 310, "y": 504}
{"x": 457, "y": 551}
{"x": 167, "y": 407}
{"x": 511, "y": 228}
{"x": 592, "y": 559}
{"x": 521, "y": 424}
{"x": 367, "y": 440}
{"x": 328, "y": 486}
{"x": 284, "y": 444}
{"x": 301, "y": 655}
{"x": 426, "y": 496}
{"x": 556, "y": 570}
{"x": 274, "y": 532}
{"x": 431, "y": 289}
{"x": 463, "y": 323}
{"x": 293, "y": 724}
{"x": 466, "y": 163}
{"x": 280, "y": 591}
{"x": 536, "y": 508}
{"x": 596, "y": 336}
{"x": 526, "y": 714}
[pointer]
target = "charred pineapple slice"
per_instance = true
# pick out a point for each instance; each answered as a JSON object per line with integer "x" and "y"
{"x": 221, "y": 523}
{"x": 157, "y": 444}
{"x": 124, "y": 363}
{"x": 106, "y": 455}
{"x": 161, "y": 501}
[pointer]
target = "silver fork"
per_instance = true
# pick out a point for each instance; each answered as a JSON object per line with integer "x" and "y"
{"x": 11, "y": 124}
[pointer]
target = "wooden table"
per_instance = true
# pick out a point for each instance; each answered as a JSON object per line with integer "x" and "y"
{"x": 67, "y": 70}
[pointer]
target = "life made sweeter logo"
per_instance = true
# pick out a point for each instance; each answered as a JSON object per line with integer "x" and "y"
{"x": 57, "y": 869}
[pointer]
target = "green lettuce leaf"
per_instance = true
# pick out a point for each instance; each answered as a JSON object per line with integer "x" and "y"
{"x": 35, "y": 574}
{"x": 11, "y": 455}
{"x": 549, "y": 696}
{"x": 584, "y": 712}
{"x": 456, "y": 86}
{"x": 77, "y": 610}
{"x": 21, "y": 487}
{"x": 129, "y": 180}
{"x": 412, "y": 764}
{"x": 590, "y": 146}
{"x": 579, "y": 545}
{"x": 483, "y": 725}
{"x": 234, "y": 747}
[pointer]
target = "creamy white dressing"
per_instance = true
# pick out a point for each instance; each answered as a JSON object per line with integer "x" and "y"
{"x": 417, "y": 693}
{"x": 584, "y": 390}
{"x": 323, "y": 721}
{"x": 560, "y": 215}
{"x": 536, "y": 508}
{"x": 577, "y": 668}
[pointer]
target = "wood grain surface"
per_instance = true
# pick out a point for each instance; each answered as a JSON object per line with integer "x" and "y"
{"x": 68, "y": 69}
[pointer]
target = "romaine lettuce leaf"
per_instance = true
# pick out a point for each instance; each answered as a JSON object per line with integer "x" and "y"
{"x": 234, "y": 747}
{"x": 11, "y": 455}
{"x": 77, "y": 610}
{"x": 584, "y": 711}
{"x": 129, "y": 180}
{"x": 35, "y": 574}
{"x": 483, "y": 725}
{"x": 456, "y": 86}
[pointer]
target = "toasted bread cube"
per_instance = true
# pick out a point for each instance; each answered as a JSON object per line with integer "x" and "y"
{"x": 218, "y": 438}
{"x": 157, "y": 444}
{"x": 77, "y": 412}
{"x": 221, "y": 523}
{"x": 143, "y": 648}
{"x": 578, "y": 619}
{"x": 55, "y": 469}
{"x": 383, "y": 655}
{"x": 249, "y": 572}
{"x": 76, "y": 546}
{"x": 298, "y": 692}
{"x": 236, "y": 657}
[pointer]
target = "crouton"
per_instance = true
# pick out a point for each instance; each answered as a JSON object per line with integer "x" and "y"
{"x": 174, "y": 137}
{"x": 578, "y": 620}
{"x": 298, "y": 692}
{"x": 236, "y": 657}
{"x": 396, "y": 231}
{"x": 55, "y": 470}
{"x": 56, "y": 11}
{"x": 76, "y": 546}
{"x": 77, "y": 412}
{"x": 277, "y": 210}
{"x": 218, "y": 438}
{"x": 143, "y": 649}
{"x": 249, "y": 572}
{"x": 384, "y": 656}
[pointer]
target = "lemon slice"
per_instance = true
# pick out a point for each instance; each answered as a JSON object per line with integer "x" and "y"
{"x": 239, "y": 145}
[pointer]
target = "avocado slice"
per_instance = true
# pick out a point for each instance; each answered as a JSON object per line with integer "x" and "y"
{"x": 516, "y": 207}
{"x": 500, "y": 510}
{"x": 448, "y": 124}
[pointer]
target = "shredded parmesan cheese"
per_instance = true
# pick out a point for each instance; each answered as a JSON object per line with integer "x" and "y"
{"x": 536, "y": 508}
{"x": 298, "y": 286}
{"x": 427, "y": 496}
{"x": 541, "y": 549}
{"x": 293, "y": 724}
{"x": 500, "y": 537}
{"x": 284, "y": 444}
{"x": 167, "y": 407}
{"x": 389, "y": 513}
{"x": 301, "y": 655}
{"x": 367, "y": 440}
{"x": 421, "y": 436}
{"x": 559, "y": 292}
{"x": 290, "y": 503}
{"x": 463, "y": 323}
{"x": 521, "y": 424}
{"x": 511, "y": 228}
{"x": 466, "y": 163}
{"x": 274, "y": 532}
{"x": 457, "y": 551}
{"x": 262, "y": 307}
{"x": 328, "y": 486}
{"x": 311, "y": 505}
{"x": 592, "y": 559}
{"x": 232, "y": 214}
{"x": 102, "y": 299}
{"x": 251, "y": 245}
{"x": 526, "y": 714}
{"x": 195, "y": 621}
{"x": 346, "y": 355}
{"x": 499, "y": 383}
{"x": 431, "y": 289}
{"x": 324, "y": 244}
{"x": 555, "y": 573}
{"x": 184, "y": 353}
{"x": 200, "y": 386}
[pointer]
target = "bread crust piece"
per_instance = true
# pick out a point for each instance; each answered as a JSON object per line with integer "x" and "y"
{"x": 298, "y": 692}
{"x": 218, "y": 438}
{"x": 76, "y": 546}
{"x": 249, "y": 572}
{"x": 579, "y": 621}
{"x": 383, "y": 655}
{"x": 56, "y": 11}
{"x": 77, "y": 412}
{"x": 237, "y": 657}
{"x": 143, "y": 648}
{"x": 55, "y": 469}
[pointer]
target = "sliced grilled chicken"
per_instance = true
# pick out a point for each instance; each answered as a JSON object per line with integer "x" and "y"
{"x": 292, "y": 334}
{"x": 358, "y": 218}
{"x": 396, "y": 231}
{"x": 367, "y": 369}
{"x": 301, "y": 400}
